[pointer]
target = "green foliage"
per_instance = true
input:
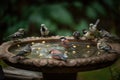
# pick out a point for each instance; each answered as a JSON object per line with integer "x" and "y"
{"x": 60, "y": 14}
{"x": 115, "y": 70}
{"x": 78, "y": 4}
{"x": 90, "y": 12}
{"x": 101, "y": 74}
{"x": 99, "y": 8}
{"x": 16, "y": 14}
{"x": 64, "y": 32}
{"x": 3, "y": 64}
{"x": 15, "y": 27}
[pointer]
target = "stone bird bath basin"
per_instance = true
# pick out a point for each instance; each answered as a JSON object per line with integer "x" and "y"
{"x": 52, "y": 69}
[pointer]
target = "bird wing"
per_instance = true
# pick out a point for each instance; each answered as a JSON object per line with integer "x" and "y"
{"x": 21, "y": 53}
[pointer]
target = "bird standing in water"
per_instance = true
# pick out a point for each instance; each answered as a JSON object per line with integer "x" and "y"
{"x": 19, "y": 34}
{"x": 44, "y": 30}
{"x": 25, "y": 51}
{"x": 102, "y": 45}
{"x": 65, "y": 42}
{"x": 56, "y": 54}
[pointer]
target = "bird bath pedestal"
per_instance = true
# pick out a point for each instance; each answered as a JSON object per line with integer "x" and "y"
{"x": 53, "y": 69}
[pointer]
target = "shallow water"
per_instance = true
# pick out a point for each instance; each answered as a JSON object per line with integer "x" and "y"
{"x": 42, "y": 49}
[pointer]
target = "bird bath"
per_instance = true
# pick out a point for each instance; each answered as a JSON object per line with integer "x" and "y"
{"x": 83, "y": 56}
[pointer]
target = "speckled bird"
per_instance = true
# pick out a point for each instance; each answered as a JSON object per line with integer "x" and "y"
{"x": 25, "y": 51}
{"x": 76, "y": 35}
{"x": 93, "y": 27}
{"x": 87, "y": 34}
{"x": 19, "y": 34}
{"x": 102, "y": 45}
{"x": 44, "y": 30}
{"x": 56, "y": 54}
{"x": 104, "y": 33}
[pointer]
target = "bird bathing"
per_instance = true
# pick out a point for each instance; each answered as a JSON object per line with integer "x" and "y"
{"x": 60, "y": 58}
{"x": 41, "y": 49}
{"x": 83, "y": 55}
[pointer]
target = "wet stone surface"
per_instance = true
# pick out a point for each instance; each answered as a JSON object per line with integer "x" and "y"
{"x": 42, "y": 49}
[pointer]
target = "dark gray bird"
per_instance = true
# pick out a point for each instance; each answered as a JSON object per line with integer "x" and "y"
{"x": 93, "y": 27}
{"x": 56, "y": 54}
{"x": 19, "y": 34}
{"x": 25, "y": 51}
{"x": 76, "y": 35}
{"x": 44, "y": 30}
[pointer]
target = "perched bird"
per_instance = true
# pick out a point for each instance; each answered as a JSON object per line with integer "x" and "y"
{"x": 93, "y": 27}
{"x": 56, "y": 54}
{"x": 87, "y": 34}
{"x": 44, "y": 30}
{"x": 76, "y": 35}
{"x": 25, "y": 51}
{"x": 65, "y": 42}
{"x": 19, "y": 34}
{"x": 102, "y": 45}
{"x": 84, "y": 31}
{"x": 110, "y": 37}
{"x": 104, "y": 33}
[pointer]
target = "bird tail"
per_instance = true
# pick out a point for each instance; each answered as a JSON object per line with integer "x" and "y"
{"x": 64, "y": 59}
{"x": 96, "y": 23}
{"x": 113, "y": 51}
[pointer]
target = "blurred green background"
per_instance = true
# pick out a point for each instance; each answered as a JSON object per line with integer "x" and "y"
{"x": 62, "y": 17}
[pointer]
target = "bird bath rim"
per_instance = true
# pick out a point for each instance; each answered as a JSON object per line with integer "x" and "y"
{"x": 53, "y": 65}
